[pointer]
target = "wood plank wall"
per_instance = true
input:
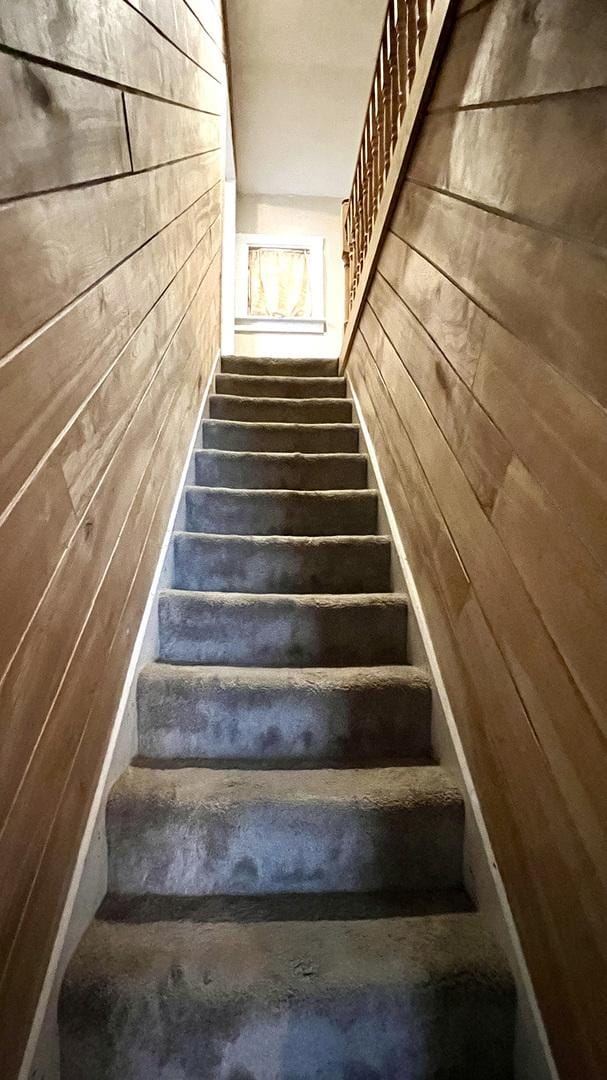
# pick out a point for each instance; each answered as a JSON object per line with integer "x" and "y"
{"x": 480, "y": 364}
{"x": 110, "y": 231}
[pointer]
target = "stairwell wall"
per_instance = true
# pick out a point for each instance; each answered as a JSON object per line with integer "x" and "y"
{"x": 479, "y": 368}
{"x": 110, "y": 238}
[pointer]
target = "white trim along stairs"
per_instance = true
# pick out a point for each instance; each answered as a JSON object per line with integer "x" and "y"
{"x": 286, "y": 897}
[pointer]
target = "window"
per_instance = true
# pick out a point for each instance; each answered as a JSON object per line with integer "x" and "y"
{"x": 280, "y": 284}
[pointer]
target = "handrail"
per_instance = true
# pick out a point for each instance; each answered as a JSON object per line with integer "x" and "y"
{"x": 413, "y": 33}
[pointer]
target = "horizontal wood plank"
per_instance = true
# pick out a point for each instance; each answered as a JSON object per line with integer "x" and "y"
{"x": 58, "y": 245}
{"x": 110, "y": 40}
{"x": 91, "y": 550}
{"x": 72, "y": 483}
{"x": 518, "y": 275}
{"x": 178, "y": 23}
{"x": 161, "y": 132}
{"x": 46, "y": 383}
{"x": 547, "y": 132}
{"x": 57, "y": 129}
{"x": 392, "y": 332}
{"x": 209, "y": 17}
{"x": 552, "y": 47}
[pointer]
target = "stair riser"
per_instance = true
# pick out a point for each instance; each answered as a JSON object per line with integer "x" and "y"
{"x": 280, "y": 438}
{"x": 257, "y": 386}
{"x": 413, "y": 1006}
{"x": 208, "y": 715}
{"x": 280, "y": 513}
{"x": 280, "y": 410}
{"x": 367, "y": 1036}
{"x": 274, "y": 566}
{"x": 321, "y": 472}
{"x": 198, "y": 628}
{"x": 263, "y": 847}
{"x": 245, "y": 365}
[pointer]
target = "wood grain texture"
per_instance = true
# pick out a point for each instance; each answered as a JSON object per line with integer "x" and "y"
{"x": 461, "y": 569}
{"x": 544, "y": 47}
{"x": 548, "y": 291}
{"x": 39, "y": 578}
{"x": 108, "y": 636}
{"x": 57, "y": 129}
{"x": 161, "y": 132}
{"x": 108, "y": 39}
{"x": 479, "y": 366}
{"x": 49, "y": 380}
{"x": 565, "y": 201}
{"x": 58, "y": 245}
{"x": 179, "y": 24}
{"x": 110, "y": 234}
{"x": 209, "y": 17}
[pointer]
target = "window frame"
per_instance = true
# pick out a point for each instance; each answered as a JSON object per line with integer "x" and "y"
{"x": 272, "y": 324}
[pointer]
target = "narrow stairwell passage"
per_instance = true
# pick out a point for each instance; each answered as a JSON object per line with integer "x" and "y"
{"x": 285, "y": 860}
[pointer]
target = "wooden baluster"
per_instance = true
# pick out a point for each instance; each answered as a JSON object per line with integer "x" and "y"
{"x": 393, "y": 77}
{"x": 376, "y": 150}
{"x": 346, "y": 251}
{"x": 411, "y": 41}
{"x": 422, "y": 24}
{"x": 386, "y": 105}
{"x": 402, "y": 57}
{"x": 365, "y": 200}
{"x": 360, "y": 215}
{"x": 355, "y": 233}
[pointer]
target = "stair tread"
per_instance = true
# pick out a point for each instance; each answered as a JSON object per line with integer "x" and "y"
{"x": 290, "y": 600}
{"x": 326, "y": 494}
{"x": 198, "y": 830}
{"x": 281, "y": 511}
{"x": 271, "y": 365}
{"x": 281, "y": 386}
{"x": 397, "y": 949}
{"x": 196, "y": 786}
{"x": 362, "y": 997}
{"x": 278, "y": 455}
{"x": 252, "y": 469}
{"x": 273, "y": 425}
{"x": 238, "y": 407}
{"x": 315, "y": 678}
{"x": 306, "y": 542}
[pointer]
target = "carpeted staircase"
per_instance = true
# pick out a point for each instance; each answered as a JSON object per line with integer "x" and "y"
{"x": 285, "y": 861}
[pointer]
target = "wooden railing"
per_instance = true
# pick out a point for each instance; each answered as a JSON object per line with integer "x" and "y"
{"x": 403, "y": 55}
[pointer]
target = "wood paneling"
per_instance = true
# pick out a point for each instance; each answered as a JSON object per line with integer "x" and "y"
{"x": 163, "y": 132}
{"x": 209, "y": 16}
{"x": 548, "y": 291}
{"x": 178, "y": 22}
{"x": 109, "y": 319}
{"x": 108, "y": 39}
{"x": 57, "y": 129}
{"x": 59, "y": 245}
{"x": 544, "y": 47}
{"x": 565, "y": 201}
{"x": 479, "y": 366}
{"x": 45, "y": 383}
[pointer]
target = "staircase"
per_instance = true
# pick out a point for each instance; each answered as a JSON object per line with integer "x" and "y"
{"x": 285, "y": 861}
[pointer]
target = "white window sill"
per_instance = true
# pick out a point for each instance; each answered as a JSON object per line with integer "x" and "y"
{"x": 248, "y": 324}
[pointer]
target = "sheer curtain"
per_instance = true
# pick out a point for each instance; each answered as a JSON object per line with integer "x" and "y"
{"x": 279, "y": 283}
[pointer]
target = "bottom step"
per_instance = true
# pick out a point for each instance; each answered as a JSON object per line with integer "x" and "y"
{"x": 368, "y": 999}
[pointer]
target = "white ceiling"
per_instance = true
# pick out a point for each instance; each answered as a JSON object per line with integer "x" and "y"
{"x": 301, "y": 72}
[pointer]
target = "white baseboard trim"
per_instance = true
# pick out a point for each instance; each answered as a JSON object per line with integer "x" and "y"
{"x": 540, "y": 1069}
{"x": 46, "y": 1067}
